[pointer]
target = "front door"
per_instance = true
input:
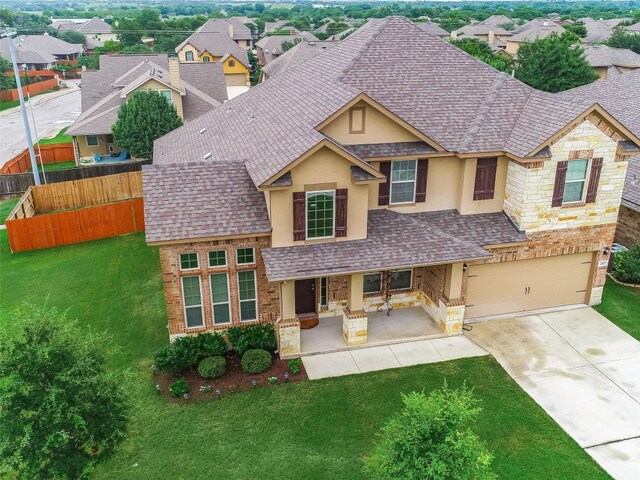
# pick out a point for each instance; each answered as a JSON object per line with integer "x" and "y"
{"x": 305, "y": 296}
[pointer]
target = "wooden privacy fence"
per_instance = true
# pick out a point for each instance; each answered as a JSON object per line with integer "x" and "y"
{"x": 53, "y": 153}
{"x": 77, "y": 211}
{"x": 11, "y": 185}
{"x": 32, "y": 89}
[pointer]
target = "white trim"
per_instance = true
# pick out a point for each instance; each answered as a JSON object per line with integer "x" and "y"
{"x": 585, "y": 185}
{"x": 188, "y": 269}
{"x": 86, "y": 139}
{"x": 306, "y": 214}
{"x": 227, "y": 303}
{"x": 415, "y": 182}
{"x": 403, "y": 288}
{"x": 184, "y": 303}
{"x": 255, "y": 299}
{"x": 253, "y": 249}
{"x": 226, "y": 260}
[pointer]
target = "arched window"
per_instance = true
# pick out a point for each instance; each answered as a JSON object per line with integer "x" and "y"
{"x": 232, "y": 63}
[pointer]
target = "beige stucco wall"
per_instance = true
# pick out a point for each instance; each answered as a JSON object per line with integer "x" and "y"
{"x": 466, "y": 204}
{"x": 183, "y": 52}
{"x": 323, "y": 167}
{"x": 530, "y": 190}
{"x": 512, "y": 47}
{"x": 101, "y": 148}
{"x": 378, "y": 129}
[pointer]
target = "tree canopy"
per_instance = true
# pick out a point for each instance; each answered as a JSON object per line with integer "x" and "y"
{"x": 482, "y": 51}
{"x": 145, "y": 116}
{"x": 624, "y": 39}
{"x": 554, "y": 64}
{"x": 71, "y": 36}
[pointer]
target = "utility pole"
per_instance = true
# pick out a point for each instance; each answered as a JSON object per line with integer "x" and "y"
{"x": 23, "y": 108}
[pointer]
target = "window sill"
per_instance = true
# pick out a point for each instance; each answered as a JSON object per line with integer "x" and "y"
{"x": 573, "y": 204}
{"x": 404, "y": 204}
{"x": 311, "y": 241}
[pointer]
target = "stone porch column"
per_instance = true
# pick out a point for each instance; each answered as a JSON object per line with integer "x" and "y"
{"x": 289, "y": 326}
{"x": 354, "y": 318}
{"x": 451, "y": 306}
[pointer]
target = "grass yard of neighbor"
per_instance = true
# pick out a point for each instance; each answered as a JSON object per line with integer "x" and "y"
{"x": 315, "y": 429}
{"x": 5, "y": 209}
{"x": 51, "y": 167}
{"x": 59, "y": 138}
{"x": 621, "y": 305}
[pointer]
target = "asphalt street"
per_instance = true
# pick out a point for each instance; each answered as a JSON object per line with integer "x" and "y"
{"x": 52, "y": 113}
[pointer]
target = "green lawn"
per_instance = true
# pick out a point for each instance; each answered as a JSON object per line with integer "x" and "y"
{"x": 621, "y": 305}
{"x": 59, "y": 138}
{"x": 51, "y": 167}
{"x": 6, "y": 207}
{"x": 312, "y": 430}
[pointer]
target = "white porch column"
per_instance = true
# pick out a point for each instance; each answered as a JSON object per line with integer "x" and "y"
{"x": 354, "y": 318}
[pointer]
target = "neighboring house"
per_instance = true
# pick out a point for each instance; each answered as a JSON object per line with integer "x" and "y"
{"x": 40, "y": 52}
{"x": 608, "y": 61}
{"x": 350, "y": 183}
{"x": 193, "y": 88}
{"x": 270, "y": 27}
{"x": 94, "y": 28}
{"x": 620, "y": 96}
{"x": 488, "y": 31}
{"x": 599, "y": 31}
{"x": 534, "y": 30}
{"x": 233, "y": 28}
{"x": 218, "y": 48}
{"x": 433, "y": 29}
{"x": 293, "y": 57}
{"x": 340, "y": 36}
{"x": 633, "y": 28}
{"x": 270, "y": 47}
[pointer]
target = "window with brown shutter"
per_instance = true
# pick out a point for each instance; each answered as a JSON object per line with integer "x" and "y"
{"x": 594, "y": 180}
{"x": 341, "y": 212}
{"x": 485, "y": 184}
{"x": 421, "y": 180}
{"x": 299, "y": 216}
{"x": 383, "y": 188}
{"x": 558, "y": 189}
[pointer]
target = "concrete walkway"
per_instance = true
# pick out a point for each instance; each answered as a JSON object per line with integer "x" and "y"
{"x": 584, "y": 371}
{"x": 369, "y": 359}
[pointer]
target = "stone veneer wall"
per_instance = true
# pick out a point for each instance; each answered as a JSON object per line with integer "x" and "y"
{"x": 268, "y": 293}
{"x": 628, "y": 231}
{"x": 530, "y": 187}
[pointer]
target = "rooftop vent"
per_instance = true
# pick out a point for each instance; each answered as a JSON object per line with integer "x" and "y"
{"x": 207, "y": 156}
{"x": 202, "y": 131}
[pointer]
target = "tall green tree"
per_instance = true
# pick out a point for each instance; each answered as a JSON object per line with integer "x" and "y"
{"x": 71, "y": 36}
{"x": 554, "y": 64}
{"x": 482, "y": 51}
{"x": 129, "y": 32}
{"x": 145, "y": 116}
{"x": 624, "y": 39}
{"x": 61, "y": 410}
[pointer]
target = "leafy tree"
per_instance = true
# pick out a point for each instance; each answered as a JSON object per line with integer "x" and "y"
{"x": 110, "y": 46}
{"x": 482, "y": 51}
{"x": 71, "y": 36}
{"x": 60, "y": 409}
{"x": 289, "y": 44}
{"x": 577, "y": 28}
{"x": 128, "y": 32}
{"x": 7, "y": 82}
{"x": 145, "y": 116}
{"x": 624, "y": 39}
{"x": 554, "y": 64}
{"x": 430, "y": 439}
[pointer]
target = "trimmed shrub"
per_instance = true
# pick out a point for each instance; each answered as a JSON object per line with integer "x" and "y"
{"x": 179, "y": 388}
{"x": 212, "y": 367}
{"x": 244, "y": 338}
{"x": 187, "y": 352}
{"x": 294, "y": 365}
{"x": 255, "y": 361}
{"x": 626, "y": 265}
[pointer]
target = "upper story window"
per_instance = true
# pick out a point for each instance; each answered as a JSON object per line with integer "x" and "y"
{"x": 188, "y": 56}
{"x": 218, "y": 258}
{"x": 403, "y": 181}
{"x": 320, "y": 214}
{"x": 167, "y": 94}
{"x": 206, "y": 59}
{"x": 188, "y": 261}
{"x": 245, "y": 256}
{"x": 575, "y": 181}
{"x": 231, "y": 63}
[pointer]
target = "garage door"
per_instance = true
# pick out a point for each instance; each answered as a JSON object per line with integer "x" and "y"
{"x": 497, "y": 288}
{"x": 235, "y": 80}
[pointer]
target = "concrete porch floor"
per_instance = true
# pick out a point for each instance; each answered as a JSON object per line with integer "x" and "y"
{"x": 403, "y": 324}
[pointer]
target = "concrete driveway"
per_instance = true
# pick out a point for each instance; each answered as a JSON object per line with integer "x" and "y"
{"x": 584, "y": 371}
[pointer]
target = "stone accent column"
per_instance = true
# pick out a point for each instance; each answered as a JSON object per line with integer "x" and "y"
{"x": 354, "y": 326}
{"x": 452, "y": 316}
{"x": 289, "y": 336}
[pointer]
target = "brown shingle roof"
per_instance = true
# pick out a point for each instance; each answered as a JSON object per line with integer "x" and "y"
{"x": 395, "y": 240}
{"x": 219, "y": 25}
{"x": 217, "y": 44}
{"x": 200, "y": 200}
{"x": 603, "y": 56}
{"x": 295, "y": 56}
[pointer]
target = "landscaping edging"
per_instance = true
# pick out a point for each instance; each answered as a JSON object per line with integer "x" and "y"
{"x": 632, "y": 285}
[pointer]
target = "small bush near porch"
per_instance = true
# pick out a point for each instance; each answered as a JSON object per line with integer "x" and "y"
{"x": 315, "y": 429}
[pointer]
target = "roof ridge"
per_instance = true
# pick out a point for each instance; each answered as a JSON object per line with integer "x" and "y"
{"x": 483, "y": 111}
{"x": 360, "y": 51}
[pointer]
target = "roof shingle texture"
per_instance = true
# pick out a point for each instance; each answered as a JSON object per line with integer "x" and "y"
{"x": 294, "y": 56}
{"x": 201, "y": 200}
{"x": 395, "y": 240}
{"x": 603, "y": 56}
{"x": 218, "y": 25}
{"x": 217, "y": 44}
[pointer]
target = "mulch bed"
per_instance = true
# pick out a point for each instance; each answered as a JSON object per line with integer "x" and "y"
{"x": 234, "y": 380}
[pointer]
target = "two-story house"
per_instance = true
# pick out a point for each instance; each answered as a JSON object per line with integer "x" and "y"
{"x": 391, "y": 170}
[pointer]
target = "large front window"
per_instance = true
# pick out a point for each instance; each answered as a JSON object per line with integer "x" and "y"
{"x": 192, "y": 298}
{"x": 372, "y": 283}
{"x": 400, "y": 280}
{"x": 247, "y": 295}
{"x": 575, "y": 181}
{"x": 403, "y": 181}
{"x": 220, "y": 298}
{"x": 320, "y": 214}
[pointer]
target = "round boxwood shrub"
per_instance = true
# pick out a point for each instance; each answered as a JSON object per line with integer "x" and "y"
{"x": 212, "y": 367}
{"x": 255, "y": 361}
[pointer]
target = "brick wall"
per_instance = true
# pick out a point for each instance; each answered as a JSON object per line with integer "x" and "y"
{"x": 268, "y": 293}
{"x": 628, "y": 231}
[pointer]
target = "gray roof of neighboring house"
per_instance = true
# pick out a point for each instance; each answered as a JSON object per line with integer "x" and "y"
{"x": 272, "y": 44}
{"x": 496, "y": 20}
{"x": 272, "y": 26}
{"x": 598, "y": 30}
{"x": 201, "y": 200}
{"x": 433, "y": 28}
{"x": 95, "y": 26}
{"x": 457, "y": 101}
{"x": 202, "y": 86}
{"x": 395, "y": 240}
{"x": 480, "y": 29}
{"x": 217, "y": 44}
{"x": 29, "y": 57}
{"x": 92, "y": 43}
{"x": 219, "y": 25}
{"x": 603, "y": 56}
{"x": 535, "y": 29}
{"x": 633, "y": 28}
{"x": 295, "y": 56}
{"x": 41, "y": 44}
